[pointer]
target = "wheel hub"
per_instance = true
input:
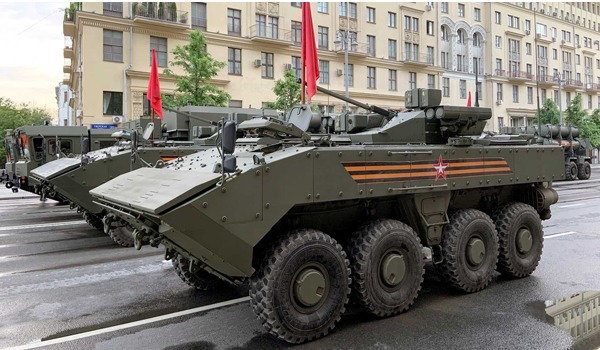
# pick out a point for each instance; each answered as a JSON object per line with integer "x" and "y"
{"x": 524, "y": 240}
{"x": 475, "y": 251}
{"x": 309, "y": 287}
{"x": 393, "y": 269}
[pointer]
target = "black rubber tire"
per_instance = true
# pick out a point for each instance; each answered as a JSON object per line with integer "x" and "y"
{"x": 271, "y": 292}
{"x": 509, "y": 220}
{"x": 571, "y": 171}
{"x": 93, "y": 220}
{"x": 367, "y": 249}
{"x": 585, "y": 171}
{"x": 122, "y": 235}
{"x": 8, "y": 184}
{"x": 455, "y": 269}
{"x": 200, "y": 280}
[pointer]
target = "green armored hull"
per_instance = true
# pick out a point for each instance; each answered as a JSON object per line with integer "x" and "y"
{"x": 308, "y": 209}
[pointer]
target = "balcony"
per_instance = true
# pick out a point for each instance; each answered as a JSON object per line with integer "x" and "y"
{"x": 270, "y": 34}
{"x": 519, "y": 76}
{"x": 592, "y": 87}
{"x": 358, "y": 49}
{"x": 151, "y": 14}
{"x": 66, "y": 78}
{"x": 68, "y": 49}
{"x": 572, "y": 84}
{"x": 69, "y": 22}
{"x": 514, "y": 56}
{"x": 416, "y": 59}
{"x": 546, "y": 80}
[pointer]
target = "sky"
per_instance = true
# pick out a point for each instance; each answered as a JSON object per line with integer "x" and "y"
{"x": 32, "y": 59}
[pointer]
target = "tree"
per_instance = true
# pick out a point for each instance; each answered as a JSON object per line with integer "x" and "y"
{"x": 200, "y": 67}
{"x": 12, "y": 116}
{"x": 575, "y": 114}
{"x": 287, "y": 91}
{"x": 549, "y": 113}
{"x": 589, "y": 126}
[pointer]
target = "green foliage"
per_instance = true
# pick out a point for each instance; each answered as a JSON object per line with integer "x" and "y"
{"x": 589, "y": 126}
{"x": 193, "y": 86}
{"x": 549, "y": 113}
{"x": 287, "y": 91}
{"x": 575, "y": 114}
{"x": 12, "y": 116}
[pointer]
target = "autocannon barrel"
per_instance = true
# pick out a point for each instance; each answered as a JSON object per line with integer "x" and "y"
{"x": 382, "y": 111}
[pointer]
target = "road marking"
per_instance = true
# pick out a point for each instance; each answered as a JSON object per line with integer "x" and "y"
{"x": 39, "y": 344}
{"x": 571, "y": 205}
{"x": 50, "y": 224}
{"x": 560, "y": 234}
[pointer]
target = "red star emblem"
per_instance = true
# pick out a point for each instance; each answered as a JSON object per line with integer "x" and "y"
{"x": 440, "y": 168}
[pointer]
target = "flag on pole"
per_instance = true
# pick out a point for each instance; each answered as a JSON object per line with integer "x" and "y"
{"x": 153, "y": 94}
{"x": 469, "y": 100}
{"x": 309, "y": 52}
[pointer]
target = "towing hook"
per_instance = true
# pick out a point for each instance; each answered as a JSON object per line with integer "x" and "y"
{"x": 138, "y": 236}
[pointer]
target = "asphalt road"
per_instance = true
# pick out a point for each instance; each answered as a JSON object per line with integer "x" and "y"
{"x": 65, "y": 285}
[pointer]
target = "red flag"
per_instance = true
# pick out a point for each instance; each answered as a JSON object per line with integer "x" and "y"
{"x": 469, "y": 100}
{"x": 309, "y": 51}
{"x": 153, "y": 94}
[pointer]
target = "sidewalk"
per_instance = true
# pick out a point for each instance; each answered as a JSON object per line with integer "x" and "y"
{"x": 6, "y": 193}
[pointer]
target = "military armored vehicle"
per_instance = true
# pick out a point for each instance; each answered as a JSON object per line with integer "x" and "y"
{"x": 186, "y": 131}
{"x": 308, "y": 209}
{"x": 31, "y": 146}
{"x": 577, "y": 153}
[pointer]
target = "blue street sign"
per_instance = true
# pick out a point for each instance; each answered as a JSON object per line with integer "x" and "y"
{"x": 103, "y": 126}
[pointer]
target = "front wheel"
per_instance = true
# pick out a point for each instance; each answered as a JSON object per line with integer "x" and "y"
{"x": 571, "y": 171}
{"x": 9, "y": 184}
{"x": 122, "y": 235}
{"x": 585, "y": 171}
{"x": 301, "y": 288}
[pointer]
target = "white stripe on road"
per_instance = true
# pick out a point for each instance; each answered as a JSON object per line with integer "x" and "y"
{"x": 50, "y": 224}
{"x": 40, "y": 344}
{"x": 570, "y": 205}
{"x": 560, "y": 234}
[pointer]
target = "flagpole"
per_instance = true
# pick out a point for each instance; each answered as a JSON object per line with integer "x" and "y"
{"x": 303, "y": 81}
{"x": 152, "y": 135}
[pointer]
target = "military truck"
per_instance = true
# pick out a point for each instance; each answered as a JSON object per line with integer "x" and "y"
{"x": 31, "y": 146}
{"x": 308, "y": 209}
{"x": 577, "y": 150}
{"x": 186, "y": 131}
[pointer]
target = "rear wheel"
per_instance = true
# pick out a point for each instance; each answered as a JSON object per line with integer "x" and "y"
{"x": 521, "y": 239}
{"x": 469, "y": 250}
{"x": 585, "y": 171}
{"x": 8, "y": 184}
{"x": 200, "y": 279}
{"x": 571, "y": 171}
{"x": 301, "y": 288}
{"x": 122, "y": 235}
{"x": 387, "y": 266}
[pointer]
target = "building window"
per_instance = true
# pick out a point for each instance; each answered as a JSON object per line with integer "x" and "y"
{"x": 529, "y": 95}
{"x": 113, "y": 45}
{"x": 498, "y": 42}
{"x": 370, "y": 14}
{"x": 500, "y": 123}
{"x": 199, "y": 16}
{"x": 324, "y": 72}
{"x": 527, "y": 25}
{"x": 323, "y": 7}
{"x": 513, "y": 22}
{"x": 296, "y": 33}
{"x": 412, "y": 80}
{"x": 498, "y": 17}
{"x": 478, "y": 90}
{"x": 323, "y": 37}
{"x": 296, "y": 4}
{"x": 267, "y": 65}
{"x": 112, "y": 103}
{"x": 446, "y": 87}
{"x": 461, "y": 10}
{"x": 235, "y": 103}
{"x": 463, "y": 89}
{"x": 273, "y": 29}
{"x": 392, "y": 49}
{"x": 461, "y": 63}
{"x": 350, "y": 75}
{"x": 160, "y": 46}
{"x": 430, "y": 55}
{"x": 429, "y": 27}
{"x": 589, "y": 102}
{"x": 411, "y": 52}
{"x": 477, "y": 14}
{"x": 371, "y": 82}
{"x": 392, "y": 19}
{"x": 353, "y": 10}
{"x": 234, "y": 22}
{"x": 392, "y": 80}
{"x": 411, "y": 23}
{"x": 445, "y": 33}
{"x": 554, "y": 54}
{"x": 445, "y": 60}
{"x": 297, "y": 66}
{"x": 371, "y": 45}
{"x": 234, "y": 61}
{"x": 528, "y": 48}
{"x": 568, "y": 95}
{"x": 515, "y": 93}
{"x": 444, "y": 7}
{"x": 113, "y": 9}
{"x": 430, "y": 81}
{"x": 343, "y": 10}
{"x": 498, "y": 92}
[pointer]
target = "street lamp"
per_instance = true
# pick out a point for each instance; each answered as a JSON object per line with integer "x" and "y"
{"x": 343, "y": 38}
{"x": 560, "y": 81}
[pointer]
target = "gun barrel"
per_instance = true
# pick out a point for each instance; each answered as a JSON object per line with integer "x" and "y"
{"x": 210, "y": 122}
{"x": 375, "y": 109}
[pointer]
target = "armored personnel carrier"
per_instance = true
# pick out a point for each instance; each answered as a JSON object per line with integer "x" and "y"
{"x": 31, "y": 146}
{"x": 186, "y": 131}
{"x": 309, "y": 209}
{"x": 578, "y": 158}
